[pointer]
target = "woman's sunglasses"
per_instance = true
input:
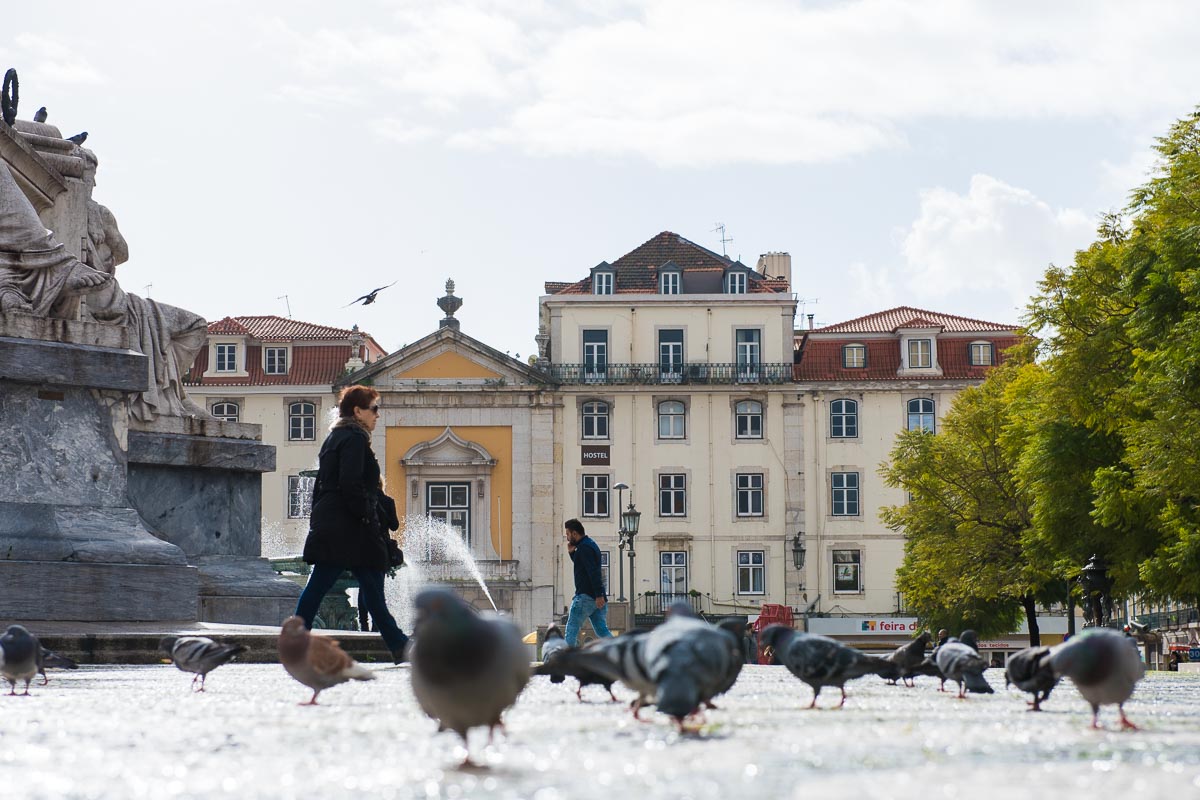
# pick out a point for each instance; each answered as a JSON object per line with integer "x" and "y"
{"x": 374, "y": 408}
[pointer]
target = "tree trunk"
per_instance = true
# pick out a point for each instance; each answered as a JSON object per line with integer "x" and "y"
{"x": 1035, "y": 635}
{"x": 1070, "y": 614}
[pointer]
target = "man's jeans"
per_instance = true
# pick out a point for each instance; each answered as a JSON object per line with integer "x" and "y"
{"x": 584, "y": 607}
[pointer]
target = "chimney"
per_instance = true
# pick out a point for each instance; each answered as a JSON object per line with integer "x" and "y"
{"x": 775, "y": 265}
{"x": 810, "y": 320}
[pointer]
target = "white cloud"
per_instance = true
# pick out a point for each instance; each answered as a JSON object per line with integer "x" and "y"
{"x": 681, "y": 82}
{"x": 54, "y": 63}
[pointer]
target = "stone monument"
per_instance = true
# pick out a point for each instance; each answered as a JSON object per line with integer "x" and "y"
{"x": 122, "y": 499}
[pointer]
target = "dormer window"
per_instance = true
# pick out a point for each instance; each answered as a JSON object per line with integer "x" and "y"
{"x": 981, "y": 354}
{"x": 602, "y": 283}
{"x": 854, "y": 356}
{"x": 668, "y": 283}
{"x": 920, "y": 353}
{"x": 226, "y": 357}
{"x": 735, "y": 283}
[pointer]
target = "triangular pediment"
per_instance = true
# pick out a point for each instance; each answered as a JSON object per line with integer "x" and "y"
{"x": 446, "y": 357}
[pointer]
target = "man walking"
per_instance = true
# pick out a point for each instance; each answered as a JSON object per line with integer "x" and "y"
{"x": 590, "y": 598}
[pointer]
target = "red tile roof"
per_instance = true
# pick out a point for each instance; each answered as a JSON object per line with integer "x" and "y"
{"x": 908, "y": 317}
{"x": 277, "y": 329}
{"x": 637, "y": 270}
{"x": 821, "y": 359}
{"x": 318, "y": 365}
{"x": 227, "y": 327}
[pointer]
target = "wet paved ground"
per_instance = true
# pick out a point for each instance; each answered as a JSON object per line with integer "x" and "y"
{"x": 137, "y": 732}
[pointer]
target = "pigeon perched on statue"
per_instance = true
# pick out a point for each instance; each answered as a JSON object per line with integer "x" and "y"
{"x": 959, "y": 660}
{"x": 909, "y": 657}
{"x": 1030, "y": 671}
{"x": 20, "y": 661}
{"x": 199, "y": 655}
{"x": 467, "y": 670}
{"x": 48, "y": 659}
{"x": 318, "y": 662}
{"x": 40, "y": 115}
{"x": 820, "y": 661}
{"x": 1105, "y": 667}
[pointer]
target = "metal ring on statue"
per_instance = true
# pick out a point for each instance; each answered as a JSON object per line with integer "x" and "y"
{"x": 9, "y": 104}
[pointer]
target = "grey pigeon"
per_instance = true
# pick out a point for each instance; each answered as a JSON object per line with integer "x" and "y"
{"x": 1105, "y": 667}
{"x": 199, "y": 654}
{"x": 48, "y": 658}
{"x": 909, "y": 657}
{"x": 560, "y": 664}
{"x": 40, "y": 115}
{"x": 318, "y": 662}
{"x": 1029, "y": 670}
{"x": 466, "y": 670}
{"x": 959, "y": 660}
{"x": 820, "y": 661}
{"x": 78, "y": 138}
{"x": 20, "y": 662}
{"x": 554, "y": 643}
{"x": 737, "y": 632}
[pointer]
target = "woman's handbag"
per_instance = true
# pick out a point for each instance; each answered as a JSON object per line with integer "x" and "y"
{"x": 395, "y": 554}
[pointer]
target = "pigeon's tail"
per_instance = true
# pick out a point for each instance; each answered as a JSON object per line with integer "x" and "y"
{"x": 881, "y": 666}
{"x": 557, "y": 678}
{"x": 589, "y": 660}
{"x": 58, "y": 662}
{"x": 975, "y": 682}
{"x": 358, "y": 672}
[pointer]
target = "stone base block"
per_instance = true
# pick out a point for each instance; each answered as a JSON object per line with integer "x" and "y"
{"x": 246, "y": 591}
{"x": 49, "y": 590}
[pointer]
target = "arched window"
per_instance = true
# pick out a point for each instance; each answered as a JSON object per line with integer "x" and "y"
{"x": 843, "y": 419}
{"x": 595, "y": 420}
{"x": 671, "y": 416}
{"x": 749, "y": 419}
{"x": 920, "y": 414}
{"x": 302, "y": 422}
{"x": 226, "y": 412}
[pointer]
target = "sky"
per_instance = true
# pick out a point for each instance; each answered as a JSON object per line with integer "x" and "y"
{"x": 267, "y": 156}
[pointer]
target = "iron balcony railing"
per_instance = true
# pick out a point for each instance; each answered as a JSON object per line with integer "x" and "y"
{"x": 654, "y": 604}
{"x": 670, "y": 374}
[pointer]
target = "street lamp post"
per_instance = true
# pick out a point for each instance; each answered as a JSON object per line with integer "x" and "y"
{"x": 620, "y": 487}
{"x": 630, "y": 519}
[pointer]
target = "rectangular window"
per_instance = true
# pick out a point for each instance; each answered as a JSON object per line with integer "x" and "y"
{"x": 920, "y": 353}
{"x": 736, "y": 283}
{"x": 749, "y": 415}
{"x": 669, "y": 283}
{"x": 450, "y": 503}
{"x": 672, "y": 576}
{"x": 604, "y": 569}
{"x": 276, "y": 361}
{"x": 672, "y": 495}
{"x": 845, "y": 494}
{"x": 749, "y": 353}
{"x": 751, "y": 572}
{"x": 595, "y": 495}
{"x": 595, "y": 420}
{"x": 847, "y": 571}
{"x": 595, "y": 356}
{"x": 602, "y": 283}
{"x": 750, "y": 494}
{"x": 302, "y": 422}
{"x": 854, "y": 356}
{"x": 981, "y": 354}
{"x": 300, "y": 491}
{"x": 670, "y": 355}
{"x": 226, "y": 357}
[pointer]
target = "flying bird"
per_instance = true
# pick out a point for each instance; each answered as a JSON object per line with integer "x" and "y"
{"x": 199, "y": 655}
{"x": 48, "y": 658}
{"x": 959, "y": 660}
{"x": 1105, "y": 667}
{"x": 1030, "y": 671}
{"x": 40, "y": 115}
{"x": 19, "y": 661}
{"x": 318, "y": 662}
{"x": 466, "y": 669}
{"x": 369, "y": 297}
{"x": 78, "y": 138}
{"x": 820, "y": 661}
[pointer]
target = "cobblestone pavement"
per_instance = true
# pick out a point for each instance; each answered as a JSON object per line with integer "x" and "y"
{"x": 137, "y": 732}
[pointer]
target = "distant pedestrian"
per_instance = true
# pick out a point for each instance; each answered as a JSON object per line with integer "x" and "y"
{"x": 590, "y": 599}
{"x": 943, "y": 637}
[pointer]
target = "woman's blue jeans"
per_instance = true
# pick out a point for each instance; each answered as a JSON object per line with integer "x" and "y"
{"x": 370, "y": 589}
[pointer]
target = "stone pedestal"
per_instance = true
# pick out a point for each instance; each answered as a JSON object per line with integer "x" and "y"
{"x": 72, "y": 547}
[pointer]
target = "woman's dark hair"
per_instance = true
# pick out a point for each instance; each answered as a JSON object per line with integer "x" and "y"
{"x": 353, "y": 397}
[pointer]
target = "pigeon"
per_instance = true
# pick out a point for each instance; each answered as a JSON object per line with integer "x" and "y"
{"x": 959, "y": 660}
{"x": 316, "y": 661}
{"x": 40, "y": 116}
{"x": 1105, "y": 667}
{"x": 1029, "y": 670}
{"x": 199, "y": 654}
{"x": 20, "y": 662}
{"x": 820, "y": 661}
{"x": 78, "y": 138}
{"x": 553, "y": 644}
{"x": 367, "y": 298}
{"x": 909, "y": 657}
{"x": 466, "y": 669}
{"x": 737, "y": 632}
{"x": 48, "y": 658}
{"x": 559, "y": 664}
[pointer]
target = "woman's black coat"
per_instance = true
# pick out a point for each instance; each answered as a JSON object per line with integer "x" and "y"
{"x": 344, "y": 527}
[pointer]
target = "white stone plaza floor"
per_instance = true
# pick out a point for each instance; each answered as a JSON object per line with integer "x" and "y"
{"x": 138, "y": 732}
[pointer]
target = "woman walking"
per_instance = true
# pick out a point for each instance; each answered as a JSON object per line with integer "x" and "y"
{"x": 345, "y": 532}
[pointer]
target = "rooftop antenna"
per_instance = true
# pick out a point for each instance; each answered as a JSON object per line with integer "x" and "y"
{"x": 720, "y": 226}
{"x": 148, "y": 287}
{"x": 284, "y": 298}
{"x": 805, "y": 301}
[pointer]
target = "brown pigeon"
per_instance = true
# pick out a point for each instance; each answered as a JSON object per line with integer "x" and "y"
{"x": 316, "y": 661}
